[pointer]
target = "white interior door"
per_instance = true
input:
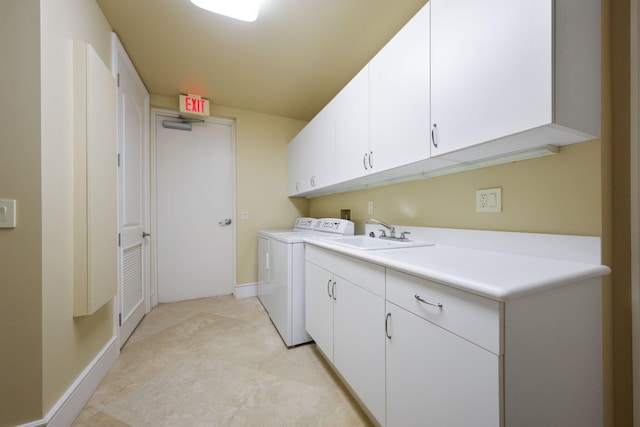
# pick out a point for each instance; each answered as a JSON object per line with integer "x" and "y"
{"x": 195, "y": 239}
{"x": 133, "y": 195}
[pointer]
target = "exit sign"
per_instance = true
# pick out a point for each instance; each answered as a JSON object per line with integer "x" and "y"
{"x": 194, "y": 104}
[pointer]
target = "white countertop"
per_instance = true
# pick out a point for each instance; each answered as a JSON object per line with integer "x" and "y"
{"x": 493, "y": 274}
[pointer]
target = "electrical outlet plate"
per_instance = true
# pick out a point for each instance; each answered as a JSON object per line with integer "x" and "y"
{"x": 489, "y": 200}
{"x": 370, "y": 207}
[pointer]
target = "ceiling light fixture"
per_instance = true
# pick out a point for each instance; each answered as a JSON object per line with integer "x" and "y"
{"x": 244, "y": 10}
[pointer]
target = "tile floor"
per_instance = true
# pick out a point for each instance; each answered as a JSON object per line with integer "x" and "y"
{"x": 218, "y": 362}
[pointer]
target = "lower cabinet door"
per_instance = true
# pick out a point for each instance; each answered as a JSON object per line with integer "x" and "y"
{"x": 359, "y": 344}
{"x": 436, "y": 378}
{"x": 319, "y": 307}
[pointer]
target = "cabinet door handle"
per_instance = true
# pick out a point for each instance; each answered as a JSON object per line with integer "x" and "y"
{"x": 370, "y": 157}
{"x": 364, "y": 161}
{"x": 333, "y": 290}
{"x": 437, "y": 304}
{"x": 433, "y": 135}
{"x": 386, "y": 325}
{"x": 328, "y": 290}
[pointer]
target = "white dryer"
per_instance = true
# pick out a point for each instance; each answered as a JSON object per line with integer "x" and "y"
{"x": 281, "y": 273}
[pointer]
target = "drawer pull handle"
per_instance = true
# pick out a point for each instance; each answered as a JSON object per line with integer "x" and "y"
{"x": 386, "y": 325}
{"x": 333, "y": 291}
{"x": 328, "y": 290}
{"x": 427, "y": 302}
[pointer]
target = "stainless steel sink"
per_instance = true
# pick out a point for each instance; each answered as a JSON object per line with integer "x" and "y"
{"x": 366, "y": 243}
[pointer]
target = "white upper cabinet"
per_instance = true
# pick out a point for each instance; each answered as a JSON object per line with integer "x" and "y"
{"x": 295, "y": 165}
{"x": 352, "y": 129}
{"x": 462, "y": 81}
{"x": 311, "y": 154}
{"x": 322, "y": 136}
{"x": 399, "y": 97}
{"x": 503, "y": 67}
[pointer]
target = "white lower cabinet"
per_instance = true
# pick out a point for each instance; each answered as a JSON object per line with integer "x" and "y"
{"x": 319, "y": 307}
{"x": 358, "y": 352}
{"x": 420, "y": 353}
{"x": 346, "y": 321}
{"x": 435, "y": 377}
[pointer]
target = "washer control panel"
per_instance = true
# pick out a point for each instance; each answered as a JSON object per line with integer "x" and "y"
{"x": 305, "y": 224}
{"x": 335, "y": 226}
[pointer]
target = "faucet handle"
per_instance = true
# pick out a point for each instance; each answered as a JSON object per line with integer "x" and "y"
{"x": 382, "y": 233}
{"x": 403, "y": 234}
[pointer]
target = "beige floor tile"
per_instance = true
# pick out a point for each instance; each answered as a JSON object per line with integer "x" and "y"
{"x": 91, "y": 417}
{"x": 218, "y": 362}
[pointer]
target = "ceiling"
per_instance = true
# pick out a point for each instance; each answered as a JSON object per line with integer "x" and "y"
{"x": 290, "y": 62}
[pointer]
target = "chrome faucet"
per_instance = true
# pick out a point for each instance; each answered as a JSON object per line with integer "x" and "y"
{"x": 391, "y": 228}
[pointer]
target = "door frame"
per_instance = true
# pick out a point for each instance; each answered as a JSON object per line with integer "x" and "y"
{"x": 155, "y": 113}
{"x": 117, "y": 63}
{"x": 635, "y": 201}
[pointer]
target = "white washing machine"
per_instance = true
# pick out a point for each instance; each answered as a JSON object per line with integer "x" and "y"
{"x": 281, "y": 273}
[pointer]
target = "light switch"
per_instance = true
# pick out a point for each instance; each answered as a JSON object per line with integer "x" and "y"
{"x": 7, "y": 213}
{"x": 492, "y": 200}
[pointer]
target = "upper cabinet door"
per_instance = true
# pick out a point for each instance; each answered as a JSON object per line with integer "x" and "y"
{"x": 321, "y": 134}
{"x": 491, "y": 70}
{"x": 311, "y": 153}
{"x": 295, "y": 160}
{"x": 352, "y": 128}
{"x": 399, "y": 90}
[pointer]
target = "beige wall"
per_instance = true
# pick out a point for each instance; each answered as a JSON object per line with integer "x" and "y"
{"x": 261, "y": 178}
{"x": 20, "y": 248}
{"x": 554, "y": 194}
{"x": 44, "y": 348}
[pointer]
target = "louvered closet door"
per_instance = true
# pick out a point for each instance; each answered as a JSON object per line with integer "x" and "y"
{"x": 133, "y": 196}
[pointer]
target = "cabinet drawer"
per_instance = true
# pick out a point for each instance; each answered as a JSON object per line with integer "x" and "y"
{"x": 363, "y": 274}
{"x": 475, "y": 318}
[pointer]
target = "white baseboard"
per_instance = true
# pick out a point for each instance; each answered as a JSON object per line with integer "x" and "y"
{"x": 246, "y": 290}
{"x": 67, "y": 409}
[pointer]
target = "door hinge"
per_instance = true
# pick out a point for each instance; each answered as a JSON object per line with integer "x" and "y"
{"x": 118, "y": 159}
{"x": 118, "y": 78}
{"x": 119, "y": 240}
{"x": 120, "y": 319}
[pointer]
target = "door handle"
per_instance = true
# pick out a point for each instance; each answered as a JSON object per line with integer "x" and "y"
{"x": 386, "y": 325}
{"x": 434, "y": 136}
{"x": 226, "y": 221}
{"x": 145, "y": 234}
